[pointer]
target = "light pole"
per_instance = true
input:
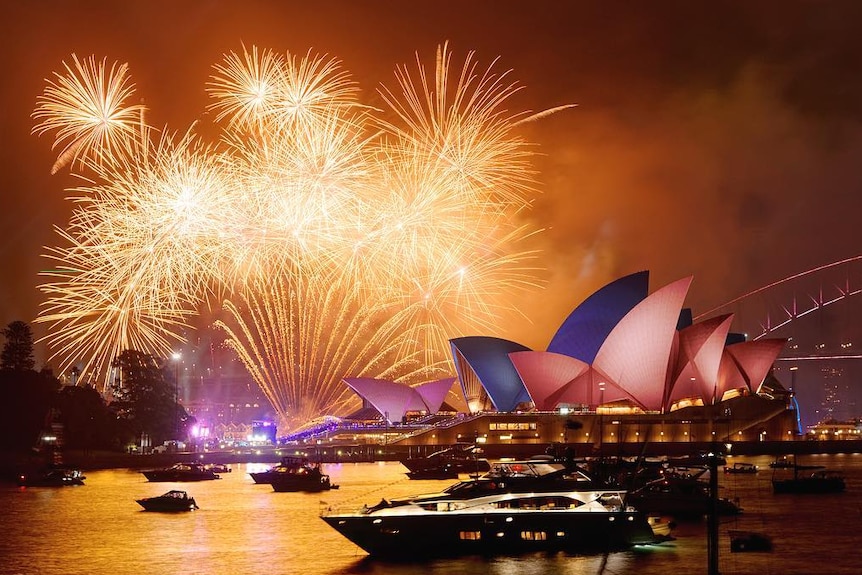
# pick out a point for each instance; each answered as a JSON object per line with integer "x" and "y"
{"x": 177, "y": 356}
{"x": 601, "y": 423}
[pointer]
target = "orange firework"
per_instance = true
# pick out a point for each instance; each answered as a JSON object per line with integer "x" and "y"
{"x": 87, "y": 109}
{"x": 341, "y": 240}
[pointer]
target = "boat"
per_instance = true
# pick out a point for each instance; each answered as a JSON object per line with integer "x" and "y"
{"x": 444, "y": 471}
{"x": 744, "y": 541}
{"x": 53, "y": 477}
{"x": 741, "y": 468}
{"x": 680, "y": 495}
{"x": 820, "y": 480}
{"x": 307, "y": 477}
{"x": 782, "y": 463}
{"x": 181, "y": 472}
{"x": 288, "y": 465}
{"x": 515, "y": 507}
{"x": 447, "y": 463}
{"x": 218, "y": 467}
{"x": 173, "y": 500}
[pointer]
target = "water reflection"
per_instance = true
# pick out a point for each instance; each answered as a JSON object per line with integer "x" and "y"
{"x": 242, "y": 527}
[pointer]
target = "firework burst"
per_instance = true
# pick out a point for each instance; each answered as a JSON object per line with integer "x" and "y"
{"x": 340, "y": 240}
{"x": 87, "y": 110}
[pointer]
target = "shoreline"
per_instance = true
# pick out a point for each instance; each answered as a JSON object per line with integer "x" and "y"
{"x": 11, "y": 465}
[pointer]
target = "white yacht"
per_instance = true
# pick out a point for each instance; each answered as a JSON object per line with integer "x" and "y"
{"x": 516, "y": 507}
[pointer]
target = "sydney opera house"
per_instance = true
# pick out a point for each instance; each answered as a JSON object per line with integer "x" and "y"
{"x": 626, "y": 368}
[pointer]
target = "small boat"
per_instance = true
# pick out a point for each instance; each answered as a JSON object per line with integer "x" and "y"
{"x": 782, "y": 463}
{"x": 742, "y": 468}
{"x": 444, "y": 471}
{"x": 173, "y": 500}
{"x": 181, "y": 472}
{"x": 744, "y": 541}
{"x": 447, "y": 463}
{"x": 218, "y": 467}
{"x": 307, "y": 477}
{"x": 680, "y": 496}
{"x": 54, "y": 477}
{"x": 819, "y": 481}
{"x": 516, "y": 507}
{"x": 288, "y": 465}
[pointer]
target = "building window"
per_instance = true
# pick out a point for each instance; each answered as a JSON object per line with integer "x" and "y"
{"x": 518, "y": 426}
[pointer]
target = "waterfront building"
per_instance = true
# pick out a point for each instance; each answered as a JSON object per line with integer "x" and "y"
{"x": 625, "y": 368}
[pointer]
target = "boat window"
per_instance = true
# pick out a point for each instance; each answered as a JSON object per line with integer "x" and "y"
{"x": 470, "y": 535}
{"x": 534, "y": 535}
{"x": 463, "y": 487}
{"x": 545, "y": 503}
{"x": 612, "y": 500}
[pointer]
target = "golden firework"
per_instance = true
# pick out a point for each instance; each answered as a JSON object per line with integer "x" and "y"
{"x": 341, "y": 240}
{"x": 87, "y": 110}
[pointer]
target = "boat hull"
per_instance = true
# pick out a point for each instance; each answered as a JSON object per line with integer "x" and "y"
{"x": 53, "y": 478}
{"x": 493, "y": 533}
{"x": 167, "y": 507}
{"x": 262, "y": 477}
{"x": 433, "y": 474}
{"x": 162, "y": 476}
{"x": 310, "y": 484}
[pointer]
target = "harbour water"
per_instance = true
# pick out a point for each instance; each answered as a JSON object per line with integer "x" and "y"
{"x": 99, "y": 529}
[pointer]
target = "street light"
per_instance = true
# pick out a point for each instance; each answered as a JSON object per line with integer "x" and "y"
{"x": 601, "y": 422}
{"x": 177, "y": 356}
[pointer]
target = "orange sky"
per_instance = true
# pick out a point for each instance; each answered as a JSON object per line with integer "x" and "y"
{"x": 719, "y": 140}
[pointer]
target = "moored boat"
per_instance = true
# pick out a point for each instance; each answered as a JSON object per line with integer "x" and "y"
{"x": 173, "y": 500}
{"x": 53, "y": 477}
{"x": 181, "y": 472}
{"x": 680, "y": 496}
{"x": 741, "y": 468}
{"x": 308, "y": 477}
{"x": 289, "y": 466}
{"x": 818, "y": 481}
{"x": 461, "y": 458}
{"x": 515, "y": 507}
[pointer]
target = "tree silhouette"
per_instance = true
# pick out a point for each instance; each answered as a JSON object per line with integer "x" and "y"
{"x": 145, "y": 397}
{"x": 18, "y": 349}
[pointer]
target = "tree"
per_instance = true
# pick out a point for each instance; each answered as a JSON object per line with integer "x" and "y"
{"x": 145, "y": 397}
{"x": 18, "y": 350}
{"x": 25, "y": 409}
{"x": 87, "y": 421}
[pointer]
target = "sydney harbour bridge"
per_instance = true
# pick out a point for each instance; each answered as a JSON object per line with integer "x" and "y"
{"x": 818, "y": 311}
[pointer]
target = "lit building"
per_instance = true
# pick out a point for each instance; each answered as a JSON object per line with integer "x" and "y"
{"x": 625, "y": 366}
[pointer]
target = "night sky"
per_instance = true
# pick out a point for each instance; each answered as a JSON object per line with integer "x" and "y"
{"x": 715, "y": 139}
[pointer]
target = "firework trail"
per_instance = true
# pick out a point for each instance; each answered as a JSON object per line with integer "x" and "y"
{"x": 340, "y": 240}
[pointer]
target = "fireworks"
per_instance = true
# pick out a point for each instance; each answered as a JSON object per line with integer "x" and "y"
{"x": 340, "y": 240}
{"x": 86, "y": 108}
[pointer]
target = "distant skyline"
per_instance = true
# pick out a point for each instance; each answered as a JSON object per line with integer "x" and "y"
{"x": 717, "y": 140}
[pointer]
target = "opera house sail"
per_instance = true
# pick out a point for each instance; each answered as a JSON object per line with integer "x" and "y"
{"x": 624, "y": 352}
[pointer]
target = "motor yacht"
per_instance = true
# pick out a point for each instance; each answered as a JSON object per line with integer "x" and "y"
{"x": 181, "y": 472}
{"x": 515, "y": 507}
{"x": 307, "y": 477}
{"x": 53, "y": 477}
{"x": 820, "y": 480}
{"x": 173, "y": 500}
{"x": 447, "y": 463}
